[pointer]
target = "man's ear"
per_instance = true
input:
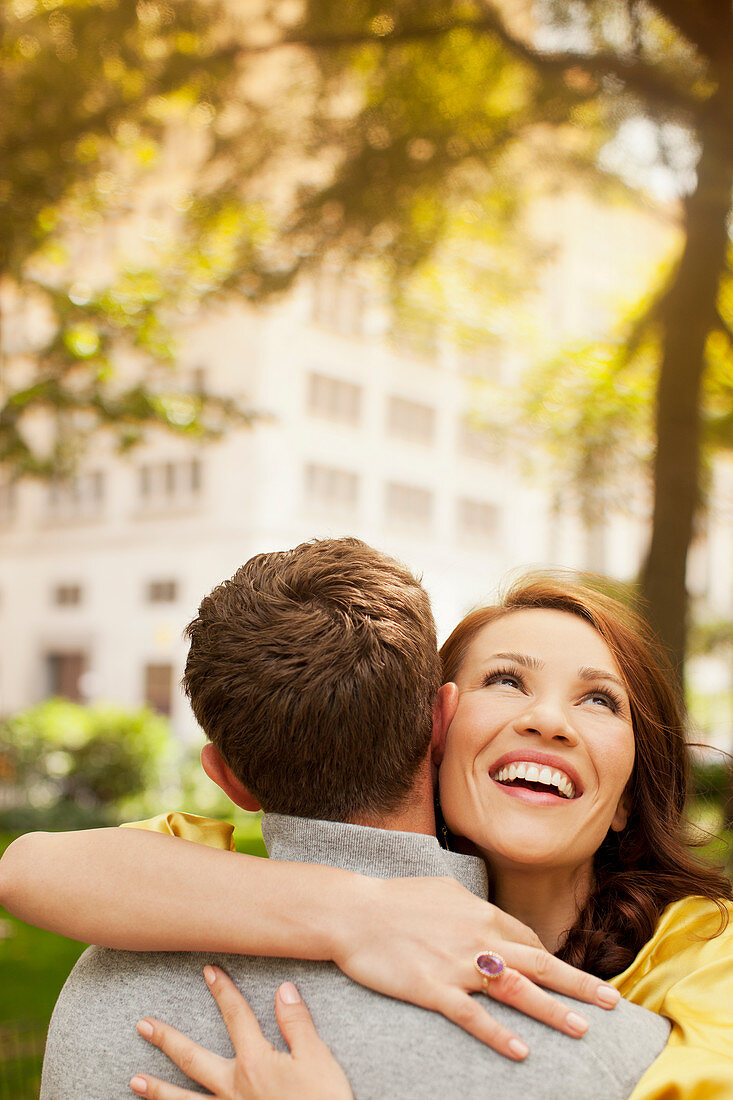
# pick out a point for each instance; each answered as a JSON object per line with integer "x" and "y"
{"x": 215, "y": 767}
{"x": 444, "y": 709}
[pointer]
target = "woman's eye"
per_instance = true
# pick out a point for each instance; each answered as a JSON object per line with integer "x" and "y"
{"x": 603, "y": 699}
{"x": 505, "y": 679}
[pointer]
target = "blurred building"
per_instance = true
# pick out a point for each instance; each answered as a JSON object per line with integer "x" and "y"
{"x": 364, "y": 431}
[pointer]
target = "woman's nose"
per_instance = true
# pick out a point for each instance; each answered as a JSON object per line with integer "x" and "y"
{"x": 548, "y": 720}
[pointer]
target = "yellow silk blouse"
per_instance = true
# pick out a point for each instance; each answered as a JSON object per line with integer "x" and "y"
{"x": 687, "y": 976}
{"x": 201, "y": 830}
{"x": 681, "y": 973}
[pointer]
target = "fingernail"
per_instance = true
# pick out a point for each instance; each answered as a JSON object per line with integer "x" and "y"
{"x": 145, "y": 1028}
{"x": 210, "y": 974}
{"x": 518, "y": 1048}
{"x": 607, "y": 996}
{"x": 577, "y": 1023}
{"x": 139, "y": 1084}
{"x": 289, "y": 994}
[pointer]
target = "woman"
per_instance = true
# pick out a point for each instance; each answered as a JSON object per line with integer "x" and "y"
{"x": 565, "y": 767}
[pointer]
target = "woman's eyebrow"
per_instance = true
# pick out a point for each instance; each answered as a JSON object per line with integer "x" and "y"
{"x": 599, "y": 674}
{"x": 519, "y": 659}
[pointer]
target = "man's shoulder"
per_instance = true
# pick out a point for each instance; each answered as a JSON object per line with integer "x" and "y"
{"x": 386, "y": 1046}
{"x": 93, "y": 1048}
{"x": 624, "y": 1040}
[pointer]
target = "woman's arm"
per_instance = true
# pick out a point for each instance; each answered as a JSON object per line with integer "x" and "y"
{"x": 144, "y": 891}
{"x": 414, "y": 939}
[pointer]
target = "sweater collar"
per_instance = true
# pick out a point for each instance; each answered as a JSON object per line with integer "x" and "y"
{"x": 379, "y": 853}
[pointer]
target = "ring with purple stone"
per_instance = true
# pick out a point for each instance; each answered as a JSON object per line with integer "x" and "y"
{"x": 490, "y": 966}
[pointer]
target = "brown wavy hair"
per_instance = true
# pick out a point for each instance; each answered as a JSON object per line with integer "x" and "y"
{"x": 639, "y": 871}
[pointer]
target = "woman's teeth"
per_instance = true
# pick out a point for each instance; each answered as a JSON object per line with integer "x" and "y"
{"x": 536, "y": 773}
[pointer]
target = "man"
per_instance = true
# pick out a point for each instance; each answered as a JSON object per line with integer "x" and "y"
{"x": 314, "y": 674}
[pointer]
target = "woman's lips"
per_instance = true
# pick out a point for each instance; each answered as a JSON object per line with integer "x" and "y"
{"x": 524, "y": 758}
{"x": 534, "y": 798}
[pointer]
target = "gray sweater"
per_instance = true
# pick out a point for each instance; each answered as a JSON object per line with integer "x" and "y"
{"x": 390, "y": 1050}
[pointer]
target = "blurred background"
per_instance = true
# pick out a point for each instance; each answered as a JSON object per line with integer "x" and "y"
{"x": 452, "y": 277}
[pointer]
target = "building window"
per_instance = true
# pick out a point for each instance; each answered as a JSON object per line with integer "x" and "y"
{"x": 67, "y": 595}
{"x": 477, "y": 442}
{"x": 408, "y": 506}
{"x": 334, "y": 399}
{"x": 339, "y": 304}
{"x": 162, "y": 591}
{"x": 410, "y": 420}
{"x": 159, "y": 687}
{"x": 81, "y": 497}
{"x": 331, "y": 488}
{"x": 64, "y": 672}
{"x": 169, "y": 484}
{"x": 477, "y": 519}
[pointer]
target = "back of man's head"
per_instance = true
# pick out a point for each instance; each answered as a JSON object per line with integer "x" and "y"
{"x": 314, "y": 671}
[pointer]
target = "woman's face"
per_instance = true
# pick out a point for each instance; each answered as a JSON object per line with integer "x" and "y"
{"x": 541, "y": 747}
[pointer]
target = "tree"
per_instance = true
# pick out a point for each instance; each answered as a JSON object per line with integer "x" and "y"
{"x": 405, "y": 134}
{"x": 90, "y": 91}
{"x": 452, "y": 105}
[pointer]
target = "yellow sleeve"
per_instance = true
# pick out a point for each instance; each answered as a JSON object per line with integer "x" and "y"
{"x": 687, "y": 976}
{"x": 202, "y": 830}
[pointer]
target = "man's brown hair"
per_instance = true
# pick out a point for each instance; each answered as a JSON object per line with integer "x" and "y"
{"x": 314, "y": 671}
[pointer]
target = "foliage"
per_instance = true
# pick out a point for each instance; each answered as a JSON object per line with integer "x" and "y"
{"x": 712, "y": 779}
{"x": 711, "y": 786}
{"x": 587, "y": 75}
{"x": 71, "y": 765}
{"x": 591, "y": 408}
{"x": 90, "y": 93}
{"x": 711, "y": 637}
{"x": 402, "y": 135}
{"x": 427, "y": 129}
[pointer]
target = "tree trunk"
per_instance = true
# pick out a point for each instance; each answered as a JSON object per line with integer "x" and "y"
{"x": 689, "y": 313}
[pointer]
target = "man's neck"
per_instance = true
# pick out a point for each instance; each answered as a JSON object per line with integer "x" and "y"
{"x": 416, "y": 815}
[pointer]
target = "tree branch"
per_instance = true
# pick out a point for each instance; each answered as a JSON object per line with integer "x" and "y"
{"x": 706, "y": 25}
{"x": 724, "y": 325}
{"x": 637, "y": 75}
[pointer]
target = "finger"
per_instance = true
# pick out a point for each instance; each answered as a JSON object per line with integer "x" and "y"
{"x": 511, "y": 929}
{"x": 196, "y": 1062}
{"x": 241, "y": 1022}
{"x": 294, "y": 1020}
{"x": 542, "y": 967}
{"x": 471, "y": 1015}
{"x": 154, "y": 1089}
{"x": 512, "y": 988}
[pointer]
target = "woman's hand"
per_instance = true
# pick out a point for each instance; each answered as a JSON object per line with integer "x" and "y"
{"x": 257, "y": 1071}
{"x": 417, "y": 938}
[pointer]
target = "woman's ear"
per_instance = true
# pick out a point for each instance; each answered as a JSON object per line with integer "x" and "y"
{"x": 444, "y": 710}
{"x": 621, "y": 816}
{"x": 219, "y": 771}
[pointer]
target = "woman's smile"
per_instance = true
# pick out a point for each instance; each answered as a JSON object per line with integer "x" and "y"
{"x": 524, "y": 772}
{"x": 541, "y": 747}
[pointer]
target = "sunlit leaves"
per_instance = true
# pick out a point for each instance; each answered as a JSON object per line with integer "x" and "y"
{"x": 82, "y": 340}
{"x": 89, "y": 88}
